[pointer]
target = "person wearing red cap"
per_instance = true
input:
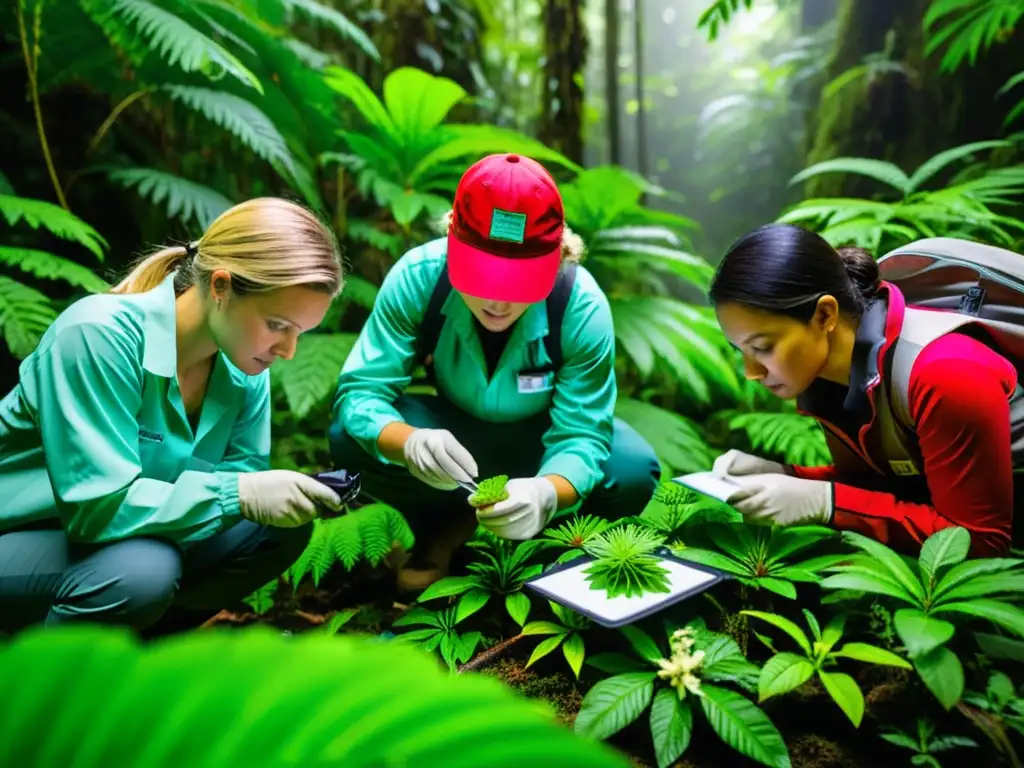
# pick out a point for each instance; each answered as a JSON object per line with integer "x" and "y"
{"x": 518, "y": 339}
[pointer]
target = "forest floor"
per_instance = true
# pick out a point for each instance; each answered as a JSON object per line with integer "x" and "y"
{"x": 817, "y": 733}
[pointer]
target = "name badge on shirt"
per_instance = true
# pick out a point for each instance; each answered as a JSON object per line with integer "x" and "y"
{"x": 535, "y": 382}
{"x": 903, "y": 468}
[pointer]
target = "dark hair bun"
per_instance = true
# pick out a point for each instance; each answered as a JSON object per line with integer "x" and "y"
{"x": 862, "y": 269}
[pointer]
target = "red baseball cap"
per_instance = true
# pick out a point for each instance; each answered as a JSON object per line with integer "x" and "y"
{"x": 505, "y": 240}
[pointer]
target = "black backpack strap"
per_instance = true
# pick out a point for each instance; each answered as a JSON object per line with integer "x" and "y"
{"x": 557, "y": 302}
{"x": 433, "y": 321}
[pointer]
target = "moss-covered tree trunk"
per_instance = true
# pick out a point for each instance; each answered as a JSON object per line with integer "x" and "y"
{"x": 904, "y": 117}
{"x": 565, "y": 53}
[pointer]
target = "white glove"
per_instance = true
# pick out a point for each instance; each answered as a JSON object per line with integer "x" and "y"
{"x": 530, "y": 504}
{"x": 436, "y": 458}
{"x": 282, "y": 498}
{"x": 774, "y": 499}
{"x": 734, "y": 462}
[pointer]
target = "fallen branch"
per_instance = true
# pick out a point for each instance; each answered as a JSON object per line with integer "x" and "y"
{"x": 485, "y": 657}
{"x": 992, "y": 727}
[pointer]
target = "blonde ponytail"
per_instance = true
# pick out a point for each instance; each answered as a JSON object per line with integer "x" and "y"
{"x": 265, "y": 243}
{"x": 152, "y": 270}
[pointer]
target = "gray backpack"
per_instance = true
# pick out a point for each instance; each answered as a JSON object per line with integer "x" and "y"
{"x": 980, "y": 289}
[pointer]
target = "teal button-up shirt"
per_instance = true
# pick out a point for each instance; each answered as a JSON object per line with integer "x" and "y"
{"x": 581, "y": 403}
{"x": 95, "y": 432}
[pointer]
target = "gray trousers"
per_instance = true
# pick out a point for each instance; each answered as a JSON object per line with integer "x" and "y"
{"x": 133, "y": 582}
{"x": 631, "y": 472}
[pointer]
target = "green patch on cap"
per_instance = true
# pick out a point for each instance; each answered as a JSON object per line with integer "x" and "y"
{"x": 508, "y": 226}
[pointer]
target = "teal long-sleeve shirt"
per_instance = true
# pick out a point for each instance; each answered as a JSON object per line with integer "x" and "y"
{"x": 581, "y": 402}
{"x": 95, "y": 432}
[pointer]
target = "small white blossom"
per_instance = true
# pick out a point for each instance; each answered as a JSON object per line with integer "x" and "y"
{"x": 680, "y": 668}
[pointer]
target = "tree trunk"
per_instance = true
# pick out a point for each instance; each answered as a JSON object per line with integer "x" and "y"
{"x": 565, "y": 52}
{"x": 903, "y": 117}
{"x": 611, "y": 79}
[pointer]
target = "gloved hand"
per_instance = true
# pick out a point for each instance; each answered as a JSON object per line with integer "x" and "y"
{"x": 775, "y": 499}
{"x": 530, "y": 504}
{"x": 436, "y": 458}
{"x": 282, "y": 498}
{"x": 734, "y": 462}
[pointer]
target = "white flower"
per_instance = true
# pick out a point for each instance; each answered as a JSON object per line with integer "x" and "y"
{"x": 680, "y": 669}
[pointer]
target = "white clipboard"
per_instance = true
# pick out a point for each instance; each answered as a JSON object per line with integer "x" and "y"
{"x": 709, "y": 484}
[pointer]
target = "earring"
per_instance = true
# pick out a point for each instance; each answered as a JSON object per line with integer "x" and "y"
{"x": 218, "y": 304}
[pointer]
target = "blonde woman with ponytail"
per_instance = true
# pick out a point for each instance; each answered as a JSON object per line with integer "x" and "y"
{"x": 134, "y": 450}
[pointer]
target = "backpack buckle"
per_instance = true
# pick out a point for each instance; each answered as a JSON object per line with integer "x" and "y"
{"x": 970, "y": 302}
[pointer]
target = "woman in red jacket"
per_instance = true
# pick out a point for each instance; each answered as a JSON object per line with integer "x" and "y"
{"x": 816, "y": 324}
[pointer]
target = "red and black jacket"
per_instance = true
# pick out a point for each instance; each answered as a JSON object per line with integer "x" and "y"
{"x": 959, "y": 401}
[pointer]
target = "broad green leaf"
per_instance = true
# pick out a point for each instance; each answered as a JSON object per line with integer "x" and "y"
{"x": 574, "y": 652}
{"x": 743, "y": 726}
{"x": 62, "y": 223}
{"x": 642, "y": 643}
{"x": 786, "y": 626}
{"x": 51, "y": 267}
{"x": 966, "y": 571}
{"x": 1004, "y": 615}
{"x": 518, "y": 606}
{"x": 880, "y": 170}
{"x": 354, "y": 88}
{"x": 614, "y": 703}
{"x": 544, "y": 647}
{"x": 380, "y": 704}
{"x": 942, "y": 673}
{"x": 671, "y": 726}
{"x": 999, "y": 647}
{"x": 778, "y": 586}
{"x": 418, "y": 101}
{"x": 783, "y": 673}
{"x": 713, "y": 559}
{"x": 448, "y": 587}
{"x": 543, "y": 628}
{"x": 893, "y": 564}
{"x": 871, "y": 655}
{"x": 920, "y": 633}
{"x": 947, "y": 547}
{"x": 470, "y": 603}
{"x": 845, "y": 692}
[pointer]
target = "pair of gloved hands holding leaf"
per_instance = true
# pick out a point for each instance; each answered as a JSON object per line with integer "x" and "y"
{"x": 436, "y": 458}
{"x": 770, "y": 496}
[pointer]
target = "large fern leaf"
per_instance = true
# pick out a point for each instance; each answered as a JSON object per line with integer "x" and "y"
{"x": 51, "y": 267}
{"x": 183, "y": 199}
{"x": 311, "y": 375}
{"x": 367, "y": 533}
{"x": 684, "y": 338}
{"x": 337, "y": 21}
{"x": 62, "y": 223}
{"x": 253, "y": 697}
{"x": 176, "y": 41}
{"x": 676, "y": 440}
{"x": 244, "y": 120}
{"x": 25, "y": 314}
{"x": 719, "y": 13}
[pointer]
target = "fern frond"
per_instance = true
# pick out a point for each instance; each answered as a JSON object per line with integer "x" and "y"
{"x": 182, "y": 198}
{"x": 176, "y": 41}
{"x": 244, "y": 120}
{"x": 51, "y": 267}
{"x": 25, "y": 314}
{"x": 969, "y": 26}
{"x": 62, "y": 223}
{"x": 310, "y": 376}
{"x": 719, "y": 13}
{"x": 313, "y": 553}
{"x": 338, "y": 22}
{"x": 359, "y": 291}
{"x": 798, "y": 439}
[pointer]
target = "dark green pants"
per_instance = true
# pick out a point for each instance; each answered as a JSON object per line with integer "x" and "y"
{"x": 631, "y": 472}
{"x": 44, "y": 579}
